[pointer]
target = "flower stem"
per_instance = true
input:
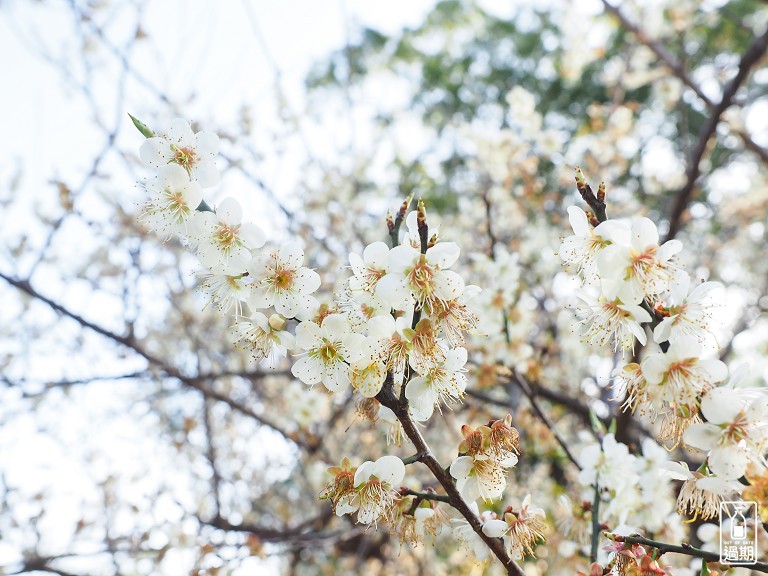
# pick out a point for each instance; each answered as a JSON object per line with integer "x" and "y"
{"x": 595, "y": 524}
{"x": 425, "y": 495}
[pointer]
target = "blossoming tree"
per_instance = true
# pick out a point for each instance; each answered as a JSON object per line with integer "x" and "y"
{"x": 489, "y": 369}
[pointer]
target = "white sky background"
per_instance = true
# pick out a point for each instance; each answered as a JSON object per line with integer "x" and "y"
{"x": 208, "y": 57}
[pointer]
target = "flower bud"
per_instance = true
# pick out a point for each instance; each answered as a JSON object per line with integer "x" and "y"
{"x": 277, "y": 321}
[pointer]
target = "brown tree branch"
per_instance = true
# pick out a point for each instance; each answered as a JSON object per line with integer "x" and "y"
{"x": 194, "y": 382}
{"x": 685, "y": 549}
{"x": 388, "y": 398}
{"x": 680, "y": 72}
{"x": 683, "y": 197}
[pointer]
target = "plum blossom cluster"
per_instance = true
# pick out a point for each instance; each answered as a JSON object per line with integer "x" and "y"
{"x": 486, "y": 454}
{"x": 630, "y": 283}
{"x": 397, "y": 329}
{"x": 236, "y": 274}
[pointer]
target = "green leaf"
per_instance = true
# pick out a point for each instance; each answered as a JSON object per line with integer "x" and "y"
{"x": 141, "y": 127}
{"x": 704, "y": 570}
{"x": 597, "y": 424}
{"x": 612, "y": 426}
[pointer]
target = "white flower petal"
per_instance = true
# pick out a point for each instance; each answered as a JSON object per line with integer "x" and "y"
{"x": 206, "y": 173}
{"x": 702, "y": 436}
{"x": 307, "y": 369}
{"x": 306, "y": 281}
{"x": 335, "y": 326}
{"x": 448, "y": 285}
{"x": 376, "y": 255}
{"x": 461, "y": 467}
{"x": 662, "y": 331}
{"x": 579, "y": 222}
{"x": 364, "y": 472}
{"x": 390, "y": 469}
{"x": 495, "y": 528}
{"x": 252, "y": 236}
{"x": 728, "y": 462}
{"x": 669, "y": 249}
{"x": 721, "y": 405}
{"x": 207, "y": 143}
{"x": 229, "y": 211}
{"x": 716, "y": 370}
{"x": 155, "y": 152}
{"x": 443, "y": 254}
{"x": 392, "y": 290}
{"x": 337, "y": 378}
{"x": 180, "y": 133}
{"x": 644, "y": 234}
{"x": 402, "y": 257}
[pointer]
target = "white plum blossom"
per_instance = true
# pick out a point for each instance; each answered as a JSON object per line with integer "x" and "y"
{"x": 369, "y": 371}
{"x": 395, "y": 338}
{"x": 280, "y": 280}
{"x": 375, "y": 484}
{"x": 331, "y": 347}
{"x": 579, "y": 251}
{"x": 265, "y": 337}
{"x": 173, "y": 200}
{"x": 224, "y": 241}
{"x": 610, "y": 464}
{"x": 521, "y": 530}
{"x": 640, "y": 269}
{"x": 444, "y": 382}
{"x": 701, "y": 494}
{"x": 195, "y": 153}
{"x": 607, "y": 321}
{"x": 680, "y": 375}
{"x": 227, "y": 293}
{"x": 455, "y": 317}
{"x": 688, "y": 313}
{"x": 468, "y": 538}
{"x": 394, "y": 429}
{"x": 481, "y": 476}
{"x": 360, "y": 307}
{"x": 736, "y": 431}
{"x": 369, "y": 269}
{"x": 420, "y": 277}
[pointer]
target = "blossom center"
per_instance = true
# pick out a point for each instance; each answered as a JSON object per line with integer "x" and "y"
{"x": 421, "y": 277}
{"x": 328, "y": 352}
{"x": 283, "y": 278}
{"x": 226, "y": 234}
{"x": 184, "y": 156}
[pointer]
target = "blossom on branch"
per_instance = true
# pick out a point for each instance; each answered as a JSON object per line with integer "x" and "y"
{"x": 331, "y": 348}
{"x": 173, "y": 200}
{"x": 194, "y": 152}
{"x": 280, "y": 280}
{"x": 224, "y": 241}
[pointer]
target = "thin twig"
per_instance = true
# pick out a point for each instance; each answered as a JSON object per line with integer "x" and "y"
{"x": 685, "y": 549}
{"x": 683, "y": 197}
{"x": 680, "y": 72}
